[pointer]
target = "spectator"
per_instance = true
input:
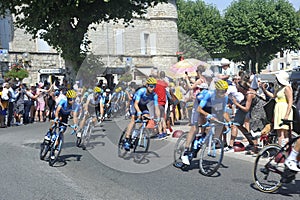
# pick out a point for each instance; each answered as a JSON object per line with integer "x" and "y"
{"x": 283, "y": 106}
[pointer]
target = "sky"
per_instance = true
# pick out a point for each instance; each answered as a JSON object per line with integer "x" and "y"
{"x": 223, "y": 4}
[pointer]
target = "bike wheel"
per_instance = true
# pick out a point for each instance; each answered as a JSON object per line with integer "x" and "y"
{"x": 78, "y": 139}
{"x": 268, "y": 168}
{"x": 45, "y": 147}
{"x": 86, "y": 137}
{"x": 211, "y": 156}
{"x": 56, "y": 149}
{"x": 179, "y": 148}
{"x": 142, "y": 142}
{"x": 121, "y": 151}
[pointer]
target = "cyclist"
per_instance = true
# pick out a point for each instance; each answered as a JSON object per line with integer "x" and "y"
{"x": 210, "y": 104}
{"x": 138, "y": 106}
{"x": 63, "y": 111}
{"x": 90, "y": 108}
{"x": 292, "y": 162}
{"x": 105, "y": 103}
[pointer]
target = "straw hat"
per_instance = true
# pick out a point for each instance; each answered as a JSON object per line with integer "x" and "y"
{"x": 225, "y": 61}
{"x": 283, "y": 78}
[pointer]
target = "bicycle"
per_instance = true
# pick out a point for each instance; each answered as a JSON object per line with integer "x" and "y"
{"x": 140, "y": 139}
{"x": 54, "y": 145}
{"x": 269, "y": 170}
{"x": 86, "y": 133}
{"x": 211, "y": 149}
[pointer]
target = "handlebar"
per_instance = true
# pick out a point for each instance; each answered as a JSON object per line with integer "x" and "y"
{"x": 226, "y": 124}
{"x": 286, "y": 122}
{"x": 145, "y": 119}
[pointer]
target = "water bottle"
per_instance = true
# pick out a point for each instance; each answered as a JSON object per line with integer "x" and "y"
{"x": 135, "y": 132}
{"x": 54, "y": 136}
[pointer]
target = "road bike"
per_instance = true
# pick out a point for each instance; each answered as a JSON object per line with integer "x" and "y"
{"x": 85, "y": 133}
{"x": 54, "y": 143}
{"x": 211, "y": 149}
{"x": 269, "y": 170}
{"x": 140, "y": 139}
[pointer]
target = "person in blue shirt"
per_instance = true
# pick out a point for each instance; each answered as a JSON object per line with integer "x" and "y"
{"x": 210, "y": 104}
{"x": 141, "y": 98}
{"x": 64, "y": 109}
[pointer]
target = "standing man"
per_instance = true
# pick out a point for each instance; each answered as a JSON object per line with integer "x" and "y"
{"x": 226, "y": 72}
{"x": 160, "y": 90}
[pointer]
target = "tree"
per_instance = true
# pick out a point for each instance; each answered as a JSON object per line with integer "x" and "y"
{"x": 66, "y": 22}
{"x": 200, "y": 30}
{"x": 258, "y": 29}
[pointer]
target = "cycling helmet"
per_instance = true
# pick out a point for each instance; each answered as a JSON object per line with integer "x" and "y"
{"x": 71, "y": 94}
{"x": 97, "y": 90}
{"x": 221, "y": 85}
{"x": 151, "y": 80}
{"x": 107, "y": 90}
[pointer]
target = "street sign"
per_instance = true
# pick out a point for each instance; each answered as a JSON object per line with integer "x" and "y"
{"x": 50, "y": 71}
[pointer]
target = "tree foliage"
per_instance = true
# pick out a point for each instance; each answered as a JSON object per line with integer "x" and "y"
{"x": 200, "y": 31}
{"x": 258, "y": 29}
{"x": 65, "y": 22}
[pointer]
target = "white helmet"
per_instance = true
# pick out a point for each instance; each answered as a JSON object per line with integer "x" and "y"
{"x": 107, "y": 90}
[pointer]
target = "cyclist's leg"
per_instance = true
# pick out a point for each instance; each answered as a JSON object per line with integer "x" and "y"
{"x": 292, "y": 162}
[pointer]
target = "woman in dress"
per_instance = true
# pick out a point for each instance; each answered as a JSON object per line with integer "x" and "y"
{"x": 283, "y": 107}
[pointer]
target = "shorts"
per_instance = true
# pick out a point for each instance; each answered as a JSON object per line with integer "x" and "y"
{"x": 240, "y": 117}
{"x": 162, "y": 111}
{"x": 40, "y": 106}
{"x": 132, "y": 110}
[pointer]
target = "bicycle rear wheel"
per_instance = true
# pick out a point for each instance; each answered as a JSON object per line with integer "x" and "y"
{"x": 45, "y": 147}
{"x": 211, "y": 156}
{"x": 56, "y": 149}
{"x": 268, "y": 168}
{"x": 142, "y": 142}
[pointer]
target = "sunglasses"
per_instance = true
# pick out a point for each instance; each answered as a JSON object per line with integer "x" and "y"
{"x": 151, "y": 86}
{"x": 71, "y": 99}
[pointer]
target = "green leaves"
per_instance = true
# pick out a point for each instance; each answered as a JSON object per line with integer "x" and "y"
{"x": 56, "y": 18}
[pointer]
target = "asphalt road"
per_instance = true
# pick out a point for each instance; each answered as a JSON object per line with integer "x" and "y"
{"x": 98, "y": 172}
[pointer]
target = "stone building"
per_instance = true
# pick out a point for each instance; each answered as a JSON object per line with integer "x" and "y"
{"x": 151, "y": 44}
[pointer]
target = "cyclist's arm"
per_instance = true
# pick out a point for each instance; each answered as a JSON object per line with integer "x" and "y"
{"x": 57, "y": 111}
{"x": 157, "y": 110}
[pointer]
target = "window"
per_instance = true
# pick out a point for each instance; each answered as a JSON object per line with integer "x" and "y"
{"x": 5, "y": 32}
{"x": 119, "y": 35}
{"x": 148, "y": 43}
{"x": 42, "y": 45}
{"x": 144, "y": 43}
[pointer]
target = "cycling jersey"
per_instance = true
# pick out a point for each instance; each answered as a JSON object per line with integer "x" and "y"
{"x": 195, "y": 114}
{"x": 92, "y": 101}
{"x": 143, "y": 98}
{"x": 216, "y": 105}
{"x": 105, "y": 98}
{"x": 66, "y": 109}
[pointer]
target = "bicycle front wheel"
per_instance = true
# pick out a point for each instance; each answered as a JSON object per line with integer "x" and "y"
{"x": 45, "y": 147}
{"x": 86, "y": 137}
{"x": 179, "y": 148}
{"x": 56, "y": 149}
{"x": 121, "y": 151}
{"x": 142, "y": 142}
{"x": 268, "y": 167}
{"x": 211, "y": 156}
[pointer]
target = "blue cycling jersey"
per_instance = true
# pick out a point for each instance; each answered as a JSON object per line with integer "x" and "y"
{"x": 210, "y": 101}
{"x": 143, "y": 98}
{"x": 66, "y": 108}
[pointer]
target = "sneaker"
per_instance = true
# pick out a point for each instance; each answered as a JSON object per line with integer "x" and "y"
{"x": 292, "y": 165}
{"x": 126, "y": 145}
{"x": 228, "y": 149}
{"x": 185, "y": 159}
{"x": 161, "y": 136}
